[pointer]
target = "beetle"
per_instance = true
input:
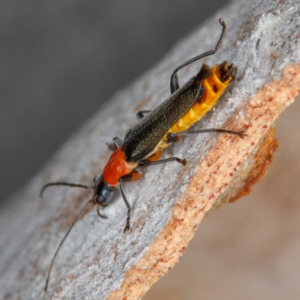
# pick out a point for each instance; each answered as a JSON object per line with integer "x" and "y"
{"x": 157, "y": 129}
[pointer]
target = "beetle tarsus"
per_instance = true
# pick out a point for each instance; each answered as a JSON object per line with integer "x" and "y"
{"x": 241, "y": 134}
{"x": 182, "y": 161}
{"x": 127, "y": 227}
{"x": 100, "y": 215}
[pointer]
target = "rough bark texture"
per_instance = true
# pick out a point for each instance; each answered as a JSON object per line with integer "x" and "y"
{"x": 98, "y": 261}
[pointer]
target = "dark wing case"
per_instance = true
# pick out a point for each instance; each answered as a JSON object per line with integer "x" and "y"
{"x": 142, "y": 138}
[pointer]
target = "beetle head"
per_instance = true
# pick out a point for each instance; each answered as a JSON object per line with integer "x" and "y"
{"x": 102, "y": 191}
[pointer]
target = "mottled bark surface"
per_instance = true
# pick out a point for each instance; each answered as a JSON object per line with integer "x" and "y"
{"x": 98, "y": 261}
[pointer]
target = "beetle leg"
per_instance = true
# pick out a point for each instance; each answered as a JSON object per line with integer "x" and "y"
{"x": 154, "y": 160}
{"x": 127, "y": 227}
{"x": 99, "y": 213}
{"x": 116, "y": 144}
{"x": 174, "y": 83}
{"x": 146, "y": 163}
{"x": 141, "y": 114}
{"x": 175, "y": 135}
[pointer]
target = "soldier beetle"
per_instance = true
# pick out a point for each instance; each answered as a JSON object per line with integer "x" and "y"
{"x": 156, "y": 130}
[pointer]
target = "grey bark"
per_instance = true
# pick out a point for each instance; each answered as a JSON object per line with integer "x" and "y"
{"x": 262, "y": 38}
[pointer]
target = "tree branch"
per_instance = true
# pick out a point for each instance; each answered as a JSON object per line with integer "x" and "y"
{"x": 98, "y": 261}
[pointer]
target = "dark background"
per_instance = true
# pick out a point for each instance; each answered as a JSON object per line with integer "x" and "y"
{"x": 60, "y": 60}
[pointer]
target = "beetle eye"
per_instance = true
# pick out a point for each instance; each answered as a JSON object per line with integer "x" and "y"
{"x": 102, "y": 190}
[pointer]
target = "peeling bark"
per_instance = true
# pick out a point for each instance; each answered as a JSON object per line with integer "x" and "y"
{"x": 98, "y": 261}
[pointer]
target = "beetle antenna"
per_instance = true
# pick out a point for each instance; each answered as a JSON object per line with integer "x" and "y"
{"x": 64, "y": 183}
{"x": 92, "y": 201}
